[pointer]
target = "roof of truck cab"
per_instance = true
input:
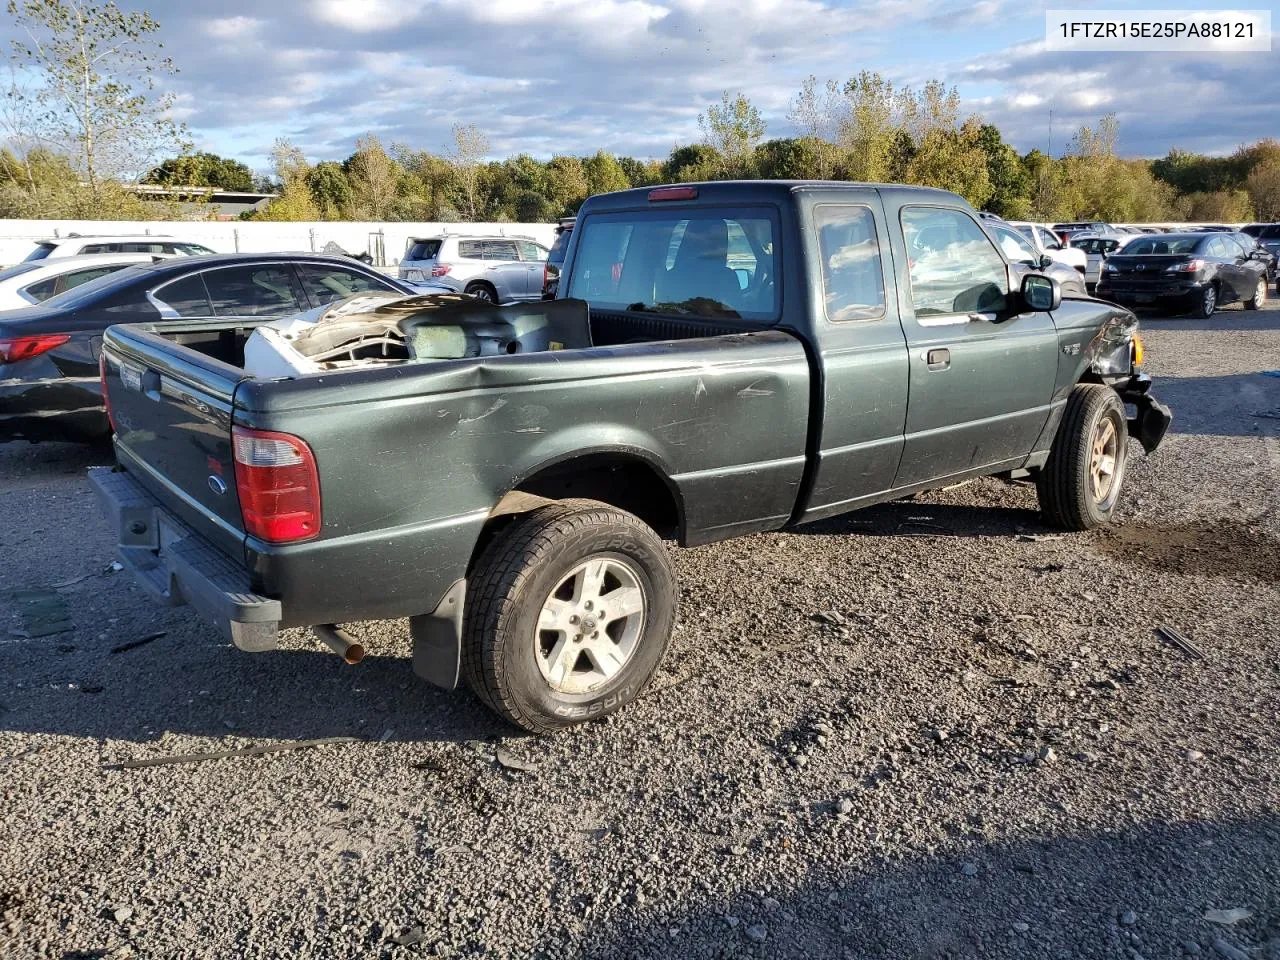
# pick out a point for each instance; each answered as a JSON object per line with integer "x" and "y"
{"x": 746, "y": 190}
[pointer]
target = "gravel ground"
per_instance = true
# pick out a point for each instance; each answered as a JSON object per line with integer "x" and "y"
{"x": 931, "y": 729}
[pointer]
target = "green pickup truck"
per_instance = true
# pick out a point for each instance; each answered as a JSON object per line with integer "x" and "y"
{"x": 723, "y": 359}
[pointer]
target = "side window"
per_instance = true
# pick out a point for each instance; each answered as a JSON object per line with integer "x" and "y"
{"x": 1233, "y": 247}
{"x": 471, "y": 249}
{"x": 186, "y": 297}
{"x": 41, "y": 290}
{"x": 500, "y": 250}
{"x": 1109, "y": 246}
{"x": 953, "y": 266}
{"x": 84, "y": 276}
{"x": 256, "y": 290}
{"x": 531, "y": 251}
{"x": 852, "y": 282}
{"x": 327, "y": 284}
{"x": 1048, "y": 240}
{"x": 100, "y": 248}
{"x": 1015, "y": 247}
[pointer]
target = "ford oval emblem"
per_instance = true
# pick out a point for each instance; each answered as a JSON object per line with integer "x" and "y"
{"x": 217, "y": 485}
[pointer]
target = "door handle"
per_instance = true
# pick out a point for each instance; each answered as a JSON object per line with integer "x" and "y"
{"x": 938, "y": 358}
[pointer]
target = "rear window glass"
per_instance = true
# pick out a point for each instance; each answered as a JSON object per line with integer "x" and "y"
{"x": 702, "y": 263}
{"x": 41, "y": 251}
{"x": 1162, "y": 246}
{"x": 423, "y": 250}
{"x": 1271, "y": 232}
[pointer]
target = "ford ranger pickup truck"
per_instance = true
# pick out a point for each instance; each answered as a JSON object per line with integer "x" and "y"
{"x": 722, "y": 359}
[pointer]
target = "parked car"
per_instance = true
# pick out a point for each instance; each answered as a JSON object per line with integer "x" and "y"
{"x": 496, "y": 269}
{"x": 1252, "y": 246}
{"x": 511, "y": 502}
{"x": 1024, "y": 258}
{"x": 1267, "y": 235}
{"x": 1097, "y": 247}
{"x": 37, "y": 280}
{"x": 1213, "y": 228}
{"x": 1066, "y": 231}
{"x": 1045, "y": 242}
{"x": 49, "y": 352}
{"x": 77, "y": 245}
{"x": 555, "y": 258}
{"x": 1186, "y": 272}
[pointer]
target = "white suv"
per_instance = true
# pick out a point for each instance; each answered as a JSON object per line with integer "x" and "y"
{"x": 75, "y": 246}
{"x": 497, "y": 269}
{"x": 1045, "y": 242}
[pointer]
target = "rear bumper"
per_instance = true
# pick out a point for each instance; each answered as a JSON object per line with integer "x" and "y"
{"x": 1131, "y": 293}
{"x": 177, "y": 566}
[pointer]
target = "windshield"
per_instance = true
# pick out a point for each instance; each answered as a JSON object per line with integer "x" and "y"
{"x": 1162, "y": 246}
{"x": 41, "y": 251}
{"x": 701, "y": 263}
{"x": 192, "y": 249}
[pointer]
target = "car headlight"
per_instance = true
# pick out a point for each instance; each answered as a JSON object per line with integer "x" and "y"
{"x": 1108, "y": 267}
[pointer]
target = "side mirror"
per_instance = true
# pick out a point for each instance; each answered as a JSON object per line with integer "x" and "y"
{"x": 1046, "y": 261}
{"x": 1041, "y": 294}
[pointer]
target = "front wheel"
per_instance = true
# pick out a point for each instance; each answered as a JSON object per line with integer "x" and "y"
{"x": 1079, "y": 485}
{"x": 573, "y": 605}
{"x": 1259, "y": 295}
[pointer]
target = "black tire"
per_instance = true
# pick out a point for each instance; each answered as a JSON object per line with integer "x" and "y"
{"x": 1259, "y": 297}
{"x": 1204, "y": 303}
{"x": 518, "y": 573}
{"x": 483, "y": 291}
{"x": 1065, "y": 485}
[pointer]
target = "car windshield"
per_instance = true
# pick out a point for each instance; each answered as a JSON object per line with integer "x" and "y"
{"x": 701, "y": 263}
{"x": 41, "y": 251}
{"x": 423, "y": 250}
{"x": 1162, "y": 246}
{"x": 193, "y": 249}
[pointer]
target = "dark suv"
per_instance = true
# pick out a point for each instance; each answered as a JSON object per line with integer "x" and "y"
{"x": 555, "y": 259}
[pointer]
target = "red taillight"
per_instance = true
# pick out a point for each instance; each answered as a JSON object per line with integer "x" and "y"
{"x": 278, "y": 485}
{"x": 673, "y": 193}
{"x": 106, "y": 397}
{"x": 24, "y": 348}
{"x": 440, "y": 269}
{"x": 1191, "y": 266}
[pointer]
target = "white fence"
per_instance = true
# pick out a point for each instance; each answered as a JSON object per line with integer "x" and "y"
{"x": 385, "y": 242}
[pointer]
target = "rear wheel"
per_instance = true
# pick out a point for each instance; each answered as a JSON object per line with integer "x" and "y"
{"x": 572, "y": 612}
{"x": 483, "y": 291}
{"x": 1259, "y": 297}
{"x": 1204, "y": 303}
{"x": 1079, "y": 485}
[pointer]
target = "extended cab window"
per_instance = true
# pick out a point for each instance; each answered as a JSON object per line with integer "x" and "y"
{"x": 852, "y": 282}
{"x": 953, "y": 266}
{"x": 707, "y": 263}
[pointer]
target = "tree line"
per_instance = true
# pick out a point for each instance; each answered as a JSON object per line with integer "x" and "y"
{"x": 83, "y": 118}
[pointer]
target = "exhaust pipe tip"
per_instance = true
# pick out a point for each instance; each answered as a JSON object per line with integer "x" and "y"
{"x": 340, "y": 642}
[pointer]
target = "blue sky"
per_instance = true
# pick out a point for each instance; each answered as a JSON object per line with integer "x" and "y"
{"x": 631, "y": 76}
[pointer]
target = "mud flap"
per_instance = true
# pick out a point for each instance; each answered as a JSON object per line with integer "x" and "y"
{"x": 437, "y": 639}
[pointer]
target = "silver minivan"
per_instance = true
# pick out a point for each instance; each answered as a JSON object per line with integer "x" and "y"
{"x": 498, "y": 269}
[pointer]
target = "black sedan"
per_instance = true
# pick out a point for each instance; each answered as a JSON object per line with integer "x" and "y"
{"x": 49, "y": 388}
{"x": 1185, "y": 272}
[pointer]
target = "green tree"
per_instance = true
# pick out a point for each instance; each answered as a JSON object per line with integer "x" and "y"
{"x": 567, "y": 185}
{"x": 93, "y": 70}
{"x": 867, "y": 126}
{"x": 1010, "y": 182}
{"x": 293, "y": 203}
{"x": 953, "y": 160}
{"x": 466, "y": 153}
{"x": 798, "y": 158}
{"x": 604, "y": 174}
{"x": 1264, "y": 190}
{"x": 330, "y": 189}
{"x": 698, "y": 161}
{"x": 374, "y": 178}
{"x": 202, "y": 170}
{"x": 733, "y": 128}
{"x": 640, "y": 173}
